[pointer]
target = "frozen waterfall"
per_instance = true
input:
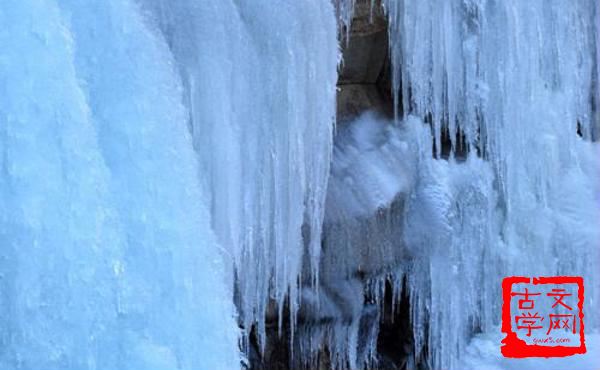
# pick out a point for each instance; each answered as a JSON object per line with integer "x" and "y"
{"x": 153, "y": 151}
{"x": 511, "y": 84}
{"x": 175, "y": 194}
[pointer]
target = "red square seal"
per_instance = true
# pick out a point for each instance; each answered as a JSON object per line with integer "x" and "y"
{"x": 542, "y": 317}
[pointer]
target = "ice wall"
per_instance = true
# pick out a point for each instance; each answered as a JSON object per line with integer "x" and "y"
{"x": 103, "y": 177}
{"x": 510, "y": 83}
{"x": 107, "y": 260}
{"x": 259, "y": 82}
{"x": 114, "y": 219}
{"x": 512, "y": 79}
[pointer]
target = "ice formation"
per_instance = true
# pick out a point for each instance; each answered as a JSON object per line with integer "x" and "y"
{"x": 166, "y": 167}
{"x": 260, "y": 86}
{"x": 511, "y": 84}
{"x": 393, "y": 212}
{"x": 108, "y": 260}
{"x": 373, "y": 170}
{"x": 138, "y": 77}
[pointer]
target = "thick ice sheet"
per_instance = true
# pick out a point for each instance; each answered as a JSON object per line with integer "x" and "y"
{"x": 108, "y": 260}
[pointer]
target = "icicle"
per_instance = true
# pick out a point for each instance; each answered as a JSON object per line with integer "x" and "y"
{"x": 514, "y": 79}
{"x": 261, "y": 79}
{"x": 345, "y": 13}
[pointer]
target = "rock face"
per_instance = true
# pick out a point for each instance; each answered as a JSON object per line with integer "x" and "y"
{"x": 364, "y": 82}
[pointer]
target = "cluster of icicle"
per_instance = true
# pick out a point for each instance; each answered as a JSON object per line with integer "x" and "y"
{"x": 141, "y": 142}
{"x": 260, "y": 90}
{"x": 513, "y": 84}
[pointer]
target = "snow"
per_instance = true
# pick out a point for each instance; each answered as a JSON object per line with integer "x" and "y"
{"x": 483, "y": 353}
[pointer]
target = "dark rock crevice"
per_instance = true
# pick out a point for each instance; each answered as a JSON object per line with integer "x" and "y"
{"x": 364, "y": 75}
